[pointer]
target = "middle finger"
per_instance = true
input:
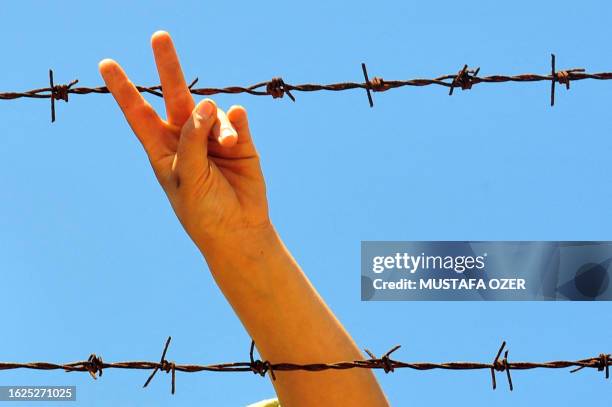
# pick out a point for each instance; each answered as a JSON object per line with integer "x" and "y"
{"x": 177, "y": 97}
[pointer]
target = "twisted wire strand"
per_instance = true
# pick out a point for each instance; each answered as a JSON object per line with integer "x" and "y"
{"x": 95, "y": 365}
{"x": 46, "y": 93}
{"x": 277, "y": 87}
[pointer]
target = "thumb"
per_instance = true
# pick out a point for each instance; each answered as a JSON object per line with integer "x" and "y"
{"x": 192, "y": 151}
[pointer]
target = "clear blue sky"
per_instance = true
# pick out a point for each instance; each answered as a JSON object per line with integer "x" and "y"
{"x": 93, "y": 260}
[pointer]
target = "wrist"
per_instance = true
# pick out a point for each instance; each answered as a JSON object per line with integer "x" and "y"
{"x": 244, "y": 247}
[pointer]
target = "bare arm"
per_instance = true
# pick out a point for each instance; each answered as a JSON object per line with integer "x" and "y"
{"x": 206, "y": 162}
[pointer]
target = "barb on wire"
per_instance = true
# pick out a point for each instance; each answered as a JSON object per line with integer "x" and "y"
{"x": 385, "y": 361}
{"x": 258, "y": 366}
{"x": 464, "y": 79}
{"x": 94, "y": 364}
{"x": 562, "y": 77}
{"x": 501, "y": 366}
{"x": 58, "y": 92}
{"x": 277, "y": 87}
{"x": 165, "y": 366}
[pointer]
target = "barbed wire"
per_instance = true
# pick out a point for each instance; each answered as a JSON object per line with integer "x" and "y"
{"x": 95, "y": 365}
{"x": 276, "y": 87}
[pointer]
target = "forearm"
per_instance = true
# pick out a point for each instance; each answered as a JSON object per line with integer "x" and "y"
{"x": 288, "y": 320}
{"x": 207, "y": 164}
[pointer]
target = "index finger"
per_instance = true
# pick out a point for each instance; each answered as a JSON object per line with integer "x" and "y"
{"x": 141, "y": 116}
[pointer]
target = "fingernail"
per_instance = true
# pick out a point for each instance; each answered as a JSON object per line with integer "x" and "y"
{"x": 205, "y": 109}
{"x": 226, "y": 132}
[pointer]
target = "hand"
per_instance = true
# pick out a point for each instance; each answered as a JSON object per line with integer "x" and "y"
{"x": 204, "y": 159}
{"x": 206, "y": 162}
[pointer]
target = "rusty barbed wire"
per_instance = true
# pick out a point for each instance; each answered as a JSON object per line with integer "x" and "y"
{"x": 465, "y": 79}
{"x": 95, "y": 365}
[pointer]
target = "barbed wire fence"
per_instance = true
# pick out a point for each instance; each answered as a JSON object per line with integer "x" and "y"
{"x": 95, "y": 365}
{"x": 465, "y": 79}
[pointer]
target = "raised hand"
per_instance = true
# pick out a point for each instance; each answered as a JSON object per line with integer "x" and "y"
{"x": 206, "y": 162}
{"x": 204, "y": 159}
